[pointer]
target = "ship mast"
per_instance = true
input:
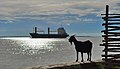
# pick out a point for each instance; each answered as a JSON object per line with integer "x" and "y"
{"x": 48, "y": 30}
{"x": 35, "y": 30}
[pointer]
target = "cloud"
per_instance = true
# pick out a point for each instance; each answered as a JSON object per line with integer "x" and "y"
{"x": 32, "y": 7}
{"x": 7, "y": 22}
{"x": 52, "y": 10}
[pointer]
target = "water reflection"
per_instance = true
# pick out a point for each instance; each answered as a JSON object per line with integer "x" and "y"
{"x": 30, "y": 46}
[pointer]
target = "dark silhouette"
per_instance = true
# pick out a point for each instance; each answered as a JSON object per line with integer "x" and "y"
{"x": 83, "y": 47}
{"x": 61, "y": 33}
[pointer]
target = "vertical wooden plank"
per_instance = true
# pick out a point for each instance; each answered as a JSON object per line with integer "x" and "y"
{"x": 106, "y": 28}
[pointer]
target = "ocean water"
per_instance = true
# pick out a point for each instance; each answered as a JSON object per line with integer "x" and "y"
{"x": 21, "y": 52}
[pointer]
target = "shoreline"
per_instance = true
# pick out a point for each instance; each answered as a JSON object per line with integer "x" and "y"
{"x": 72, "y": 65}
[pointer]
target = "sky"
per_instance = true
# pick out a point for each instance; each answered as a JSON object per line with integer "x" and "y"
{"x": 80, "y": 17}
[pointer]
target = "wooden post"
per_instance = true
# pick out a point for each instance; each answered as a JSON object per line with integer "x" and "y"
{"x": 106, "y": 28}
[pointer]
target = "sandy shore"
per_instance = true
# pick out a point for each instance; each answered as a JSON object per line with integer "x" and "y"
{"x": 72, "y": 65}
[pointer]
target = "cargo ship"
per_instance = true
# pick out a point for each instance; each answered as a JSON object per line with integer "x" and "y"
{"x": 61, "y": 33}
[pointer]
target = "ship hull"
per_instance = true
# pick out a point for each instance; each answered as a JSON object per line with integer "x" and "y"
{"x": 35, "y": 35}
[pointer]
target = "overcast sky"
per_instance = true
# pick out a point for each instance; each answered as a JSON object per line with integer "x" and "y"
{"x": 81, "y": 17}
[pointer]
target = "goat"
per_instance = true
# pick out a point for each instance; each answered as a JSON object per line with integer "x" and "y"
{"x": 83, "y": 47}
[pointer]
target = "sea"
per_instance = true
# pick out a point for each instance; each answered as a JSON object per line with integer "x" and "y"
{"x": 22, "y": 52}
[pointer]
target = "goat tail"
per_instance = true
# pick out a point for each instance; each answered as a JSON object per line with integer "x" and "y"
{"x": 91, "y": 44}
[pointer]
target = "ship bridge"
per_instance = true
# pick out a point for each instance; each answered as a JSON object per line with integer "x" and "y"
{"x": 61, "y": 31}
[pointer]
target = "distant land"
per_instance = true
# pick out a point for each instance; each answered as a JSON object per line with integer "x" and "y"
{"x": 30, "y": 36}
{"x": 13, "y": 36}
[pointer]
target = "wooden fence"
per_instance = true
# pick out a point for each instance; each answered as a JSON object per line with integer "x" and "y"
{"x": 111, "y": 39}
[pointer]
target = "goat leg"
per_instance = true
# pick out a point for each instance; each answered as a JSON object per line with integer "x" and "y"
{"x": 77, "y": 57}
{"x": 82, "y": 56}
{"x": 88, "y": 56}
